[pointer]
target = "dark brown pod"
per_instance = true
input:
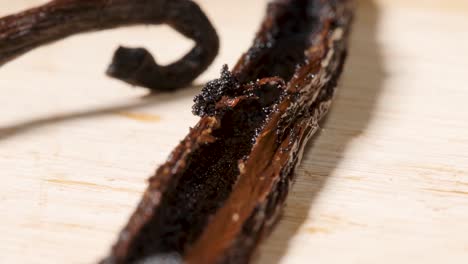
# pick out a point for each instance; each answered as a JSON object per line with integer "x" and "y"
{"x": 222, "y": 188}
{"x": 59, "y": 19}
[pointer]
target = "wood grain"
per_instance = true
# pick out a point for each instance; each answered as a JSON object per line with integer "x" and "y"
{"x": 386, "y": 181}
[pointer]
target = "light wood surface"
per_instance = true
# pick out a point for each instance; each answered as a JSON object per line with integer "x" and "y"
{"x": 386, "y": 180}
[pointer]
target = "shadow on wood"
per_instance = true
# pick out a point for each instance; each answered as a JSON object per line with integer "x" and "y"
{"x": 151, "y": 99}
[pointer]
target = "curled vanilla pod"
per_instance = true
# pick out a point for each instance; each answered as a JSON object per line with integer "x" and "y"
{"x": 24, "y": 31}
{"x": 222, "y": 188}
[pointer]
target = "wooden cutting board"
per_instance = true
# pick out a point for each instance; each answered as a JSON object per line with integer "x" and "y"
{"x": 386, "y": 180}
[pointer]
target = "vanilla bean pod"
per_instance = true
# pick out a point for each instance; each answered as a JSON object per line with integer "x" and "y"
{"x": 22, "y": 32}
{"x": 222, "y": 188}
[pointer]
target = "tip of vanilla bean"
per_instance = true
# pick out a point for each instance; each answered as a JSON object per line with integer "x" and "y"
{"x": 127, "y": 62}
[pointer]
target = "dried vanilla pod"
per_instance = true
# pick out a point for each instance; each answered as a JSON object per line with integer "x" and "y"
{"x": 58, "y": 19}
{"x": 222, "y": 188}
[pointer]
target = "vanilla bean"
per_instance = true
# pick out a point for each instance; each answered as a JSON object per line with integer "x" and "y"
{"x": 58, "y": 19}
{"x": 223, "y": 187}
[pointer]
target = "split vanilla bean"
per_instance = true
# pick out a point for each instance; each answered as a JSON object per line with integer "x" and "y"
{"x": 58, "y": 19}
{"x": 223, "y": 187}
